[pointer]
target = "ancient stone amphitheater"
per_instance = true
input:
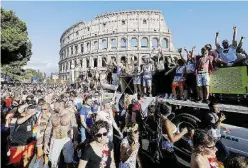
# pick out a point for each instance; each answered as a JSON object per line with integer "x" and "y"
{"x": 90, "y": 45}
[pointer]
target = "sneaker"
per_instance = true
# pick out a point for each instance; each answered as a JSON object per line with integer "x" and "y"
{"x": 171, "y": 96}
{"x": 150, "y": 95}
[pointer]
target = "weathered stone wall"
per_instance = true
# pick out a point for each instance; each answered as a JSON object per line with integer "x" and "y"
{"x": 117, "y": 34}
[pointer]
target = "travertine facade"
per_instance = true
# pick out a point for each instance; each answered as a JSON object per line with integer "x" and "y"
{"x": 117, "y": 34}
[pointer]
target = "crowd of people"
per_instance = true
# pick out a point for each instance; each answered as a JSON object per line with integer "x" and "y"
{"x": 191, "y": 75}
{"x": 60, "y": 126}
{"x": 48, "y": 126}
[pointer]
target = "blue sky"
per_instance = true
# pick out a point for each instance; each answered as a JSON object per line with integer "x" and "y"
{"x": 192, "y": 23}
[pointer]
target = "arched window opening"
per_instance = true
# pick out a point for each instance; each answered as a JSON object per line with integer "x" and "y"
{"x": 123, "y": 59}
{"x": 164, "y": 43}
{"x": 134, "y": 42}
{"x": 82, "y": 48}
{"x": 123, "y": 43}
{"x": 154, "y": 43}
{"x": 95, "y": 45}
{"x": 95, "y": 62}
{"x": 104, "y": 44}
{"x": 76, "y": 49}
{"x": 88, "y": 47}
{"x": 135, "y": 58}
{"x": 104, "y": 62}
{"x": 87, "y": 63}
{"x": 81, "y": 63}
{"x": 144, "y": 42}
{"x": 113, "y": 43}
{"x": 71, "y": 50}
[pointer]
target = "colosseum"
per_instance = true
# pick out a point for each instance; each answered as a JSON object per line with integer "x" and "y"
{"x": 91, "y": 45}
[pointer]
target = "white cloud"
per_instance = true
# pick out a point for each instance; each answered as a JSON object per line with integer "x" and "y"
{"x": 189, "y": 10}
{"x": 43, "y": 66}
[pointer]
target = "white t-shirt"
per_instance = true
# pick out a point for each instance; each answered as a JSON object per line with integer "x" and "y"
{"x": 229, "y": 54}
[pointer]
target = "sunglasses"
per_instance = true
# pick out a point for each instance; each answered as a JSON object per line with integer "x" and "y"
{"x": 44, "y": 109}
{"x": 99, "y": 135}
{"x": 210, "y": 147}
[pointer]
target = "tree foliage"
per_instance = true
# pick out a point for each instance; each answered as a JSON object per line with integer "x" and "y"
{"x": 32, "y": 73}
{"x": 15, "y": 44}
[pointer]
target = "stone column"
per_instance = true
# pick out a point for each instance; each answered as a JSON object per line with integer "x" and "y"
{"x": 99, "y": 61}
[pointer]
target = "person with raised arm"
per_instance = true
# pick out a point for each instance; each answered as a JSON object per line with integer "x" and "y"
{"x": 179, "y": 79}
{"x": 227, "y": 53}
{"x": 190, "y": 77}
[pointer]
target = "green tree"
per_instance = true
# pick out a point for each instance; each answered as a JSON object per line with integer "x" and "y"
{"x": 15, "y": 44}
{"x": 32, "y": 73}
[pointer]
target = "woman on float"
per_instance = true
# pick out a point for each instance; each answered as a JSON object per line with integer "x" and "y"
{"x": 179, "y": 78}
{"x": 99, "y": 153}
{"x": 130, "y": 147}
{"x": 171, "y": 135}
{"x": 204, "y": 151}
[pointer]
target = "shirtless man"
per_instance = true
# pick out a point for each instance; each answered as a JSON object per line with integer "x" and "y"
{"x": 62, "y": 125}
{"x": 204, "y": 67}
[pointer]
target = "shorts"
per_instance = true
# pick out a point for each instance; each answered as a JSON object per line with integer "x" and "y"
{"x": 177, "y": 84}
{"x": 147, "y": 82}
{"x": 57, "y": 145}
{"x": 137, "y": 80}
{"x": 17, "y": 153}
{"x": 203, "y": 79}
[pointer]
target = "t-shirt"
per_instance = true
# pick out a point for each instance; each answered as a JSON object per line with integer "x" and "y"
{"x": 87, "y": 118}
{"x": 95, "y": 161}
{"x": 228, "y": 54}
{"x": 147, "y": 68}
{"x": 23, "y": 133}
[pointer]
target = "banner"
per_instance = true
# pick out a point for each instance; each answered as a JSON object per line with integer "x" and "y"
{"x": 231, "y": 80}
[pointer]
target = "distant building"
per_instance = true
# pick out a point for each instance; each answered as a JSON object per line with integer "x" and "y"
{"x": 116, "y": 35}
{"x": 54, "y": 76}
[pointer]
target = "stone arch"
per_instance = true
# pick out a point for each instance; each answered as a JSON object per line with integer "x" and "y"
{"x": 165, "y": 43}
{"x": 155, "y": 42}
{"x": 104, "y": 61}
{"x": 95, "y": 45}
{"x": 104, "y": 44}
{"x": 88, "y": 46}
{"x": 87, "y": 62}
{"x": 123, "y": 42}
{"x": 124, "y": 58}
{"x": 113, "y": 43}
{"x": 95, "y": 62}
{"x": 134, "y": 42}
{"x": 144, "y": 42}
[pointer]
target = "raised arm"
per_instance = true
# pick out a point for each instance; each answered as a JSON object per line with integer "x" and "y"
{"x": 240, "y": 43}
{"x": 217, "y": 40}
{"x": 181, "y": 56}
{"x": 172, "y": 69}
{"x": 25, "y": 118}
{"x": 234, "y": 42}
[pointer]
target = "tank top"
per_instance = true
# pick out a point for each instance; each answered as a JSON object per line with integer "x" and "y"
{"x": 178, "y": 76}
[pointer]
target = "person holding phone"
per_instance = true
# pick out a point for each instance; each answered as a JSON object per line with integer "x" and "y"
{"x": 213, "y": 120}
{"x": 130, "y": 146}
